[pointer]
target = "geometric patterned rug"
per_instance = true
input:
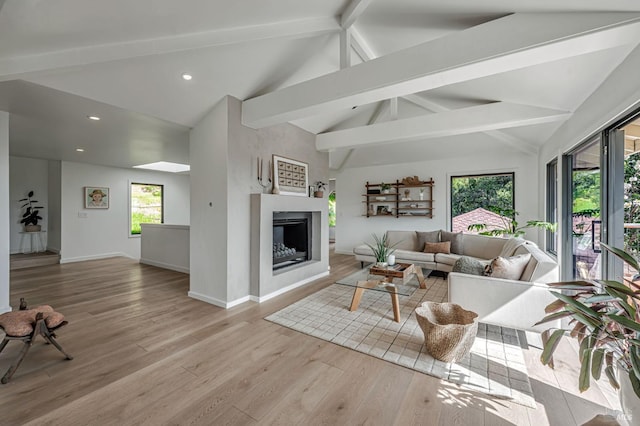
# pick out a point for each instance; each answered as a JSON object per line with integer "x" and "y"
{"x": 495, "y": 365}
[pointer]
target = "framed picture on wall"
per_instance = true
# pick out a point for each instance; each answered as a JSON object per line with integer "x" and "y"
{"x": 96, "y": 197}
{"x": 290, "y": 177}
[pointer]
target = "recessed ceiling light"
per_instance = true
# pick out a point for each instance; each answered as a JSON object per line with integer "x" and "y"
{"x": 80, "y": 149}
{"x": 186, "y": 76}
{"x": 165, "y": 166}
{"x": 93, "y": 117}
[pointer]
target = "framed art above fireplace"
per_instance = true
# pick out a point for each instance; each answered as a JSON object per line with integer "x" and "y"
{"x": 290, "y": 177}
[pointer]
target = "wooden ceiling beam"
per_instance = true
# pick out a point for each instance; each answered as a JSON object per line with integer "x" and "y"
{"x": 509, "y": 43}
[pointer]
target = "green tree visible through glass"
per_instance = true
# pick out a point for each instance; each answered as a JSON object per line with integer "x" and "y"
{"x": 469, "y": 193}
{"x": 332, "y": 209}
{"x": 147, "y": 204}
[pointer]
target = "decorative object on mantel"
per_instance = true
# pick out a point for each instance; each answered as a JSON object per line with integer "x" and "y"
{"x": 290, "y": 177}
{"x": 31, "y": 215}
{"x": 319, "y": 191}
{"x": 261, "y": 180}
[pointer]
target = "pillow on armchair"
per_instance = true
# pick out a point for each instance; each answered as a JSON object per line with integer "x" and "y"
{"x": 510, "y": 268}
{"x": 468, "y": 265}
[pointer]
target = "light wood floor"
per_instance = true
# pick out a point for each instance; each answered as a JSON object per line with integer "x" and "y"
{"x": 145, "y": 353}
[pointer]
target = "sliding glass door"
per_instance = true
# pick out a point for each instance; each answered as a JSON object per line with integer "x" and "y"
{"x": 583, "y": 212}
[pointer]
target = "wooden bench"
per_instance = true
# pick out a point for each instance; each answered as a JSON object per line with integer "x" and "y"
{"x": 25, "y": 325}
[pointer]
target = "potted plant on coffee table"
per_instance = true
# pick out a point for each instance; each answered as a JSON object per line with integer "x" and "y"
{"x": 604, "y": 316}
{"x": 381, "y": 249}
{"x": 31, "y": 214}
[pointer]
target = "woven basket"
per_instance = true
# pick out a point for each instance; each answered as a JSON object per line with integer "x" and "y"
{"x": 448, "y": 330}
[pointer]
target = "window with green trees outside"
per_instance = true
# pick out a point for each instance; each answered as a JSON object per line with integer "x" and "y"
{"x": 147, "y": 205}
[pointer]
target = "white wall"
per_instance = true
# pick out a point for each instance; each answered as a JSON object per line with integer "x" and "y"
{"x": 352, "y": 228}
{"x": 208, "y": 232}
{"x": 27, "y": 174}
{"x": 104, "y": 233}
{"x": 5, "y": 202}
{"x": 54, "y": 236}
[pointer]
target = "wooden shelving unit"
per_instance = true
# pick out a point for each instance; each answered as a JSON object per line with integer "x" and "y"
{"x": 402, "y": 200}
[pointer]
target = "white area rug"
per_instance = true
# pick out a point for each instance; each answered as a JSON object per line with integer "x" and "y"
{"x": 495, "y": 366}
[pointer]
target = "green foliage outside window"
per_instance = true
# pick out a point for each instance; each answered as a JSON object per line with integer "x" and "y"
{"x": 469, "y": 193}
{"x": 332, "y": 209}
{"x": 632, "y": 203}
{"x": 146, "y": 205}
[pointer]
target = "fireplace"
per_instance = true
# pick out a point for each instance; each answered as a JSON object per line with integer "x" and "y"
{"x": 291, "y": 238}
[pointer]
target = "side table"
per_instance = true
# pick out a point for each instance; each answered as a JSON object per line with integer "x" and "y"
{"x": 36, "y": 242}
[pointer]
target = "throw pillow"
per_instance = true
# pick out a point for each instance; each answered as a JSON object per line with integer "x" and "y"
{"x": 468, "y": 265}
{"x": 443, "y": 247}
{"x": 427, "y": 237}
{"x": 511, "y": 245}
{"x": 455, "y": 238}
{"x": 510, "y": 268}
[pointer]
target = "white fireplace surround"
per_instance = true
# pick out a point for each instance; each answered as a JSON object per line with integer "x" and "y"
{"x": 267, "y": 283}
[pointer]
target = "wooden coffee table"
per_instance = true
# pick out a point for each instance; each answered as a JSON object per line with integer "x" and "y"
{"x": 399, "y": 270}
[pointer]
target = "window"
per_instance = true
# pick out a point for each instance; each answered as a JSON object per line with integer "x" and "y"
{"x": 147, "y": 205}
{"x": 476, "y": 199}
{"x": 552, "y": 206}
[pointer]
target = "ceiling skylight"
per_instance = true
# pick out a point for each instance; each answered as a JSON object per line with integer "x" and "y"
{"x": 165, "y": 166}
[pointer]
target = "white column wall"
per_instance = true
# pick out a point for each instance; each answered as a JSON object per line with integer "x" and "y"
{"x": 353, "y": 228}
{"x": 54, "y": 213}
{"x": 5, "y": 202}
{"x": 105, "y": 232}
{"x": 208, "y": 231}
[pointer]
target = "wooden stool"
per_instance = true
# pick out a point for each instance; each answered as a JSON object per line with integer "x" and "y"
{"x": 24, "y": 325}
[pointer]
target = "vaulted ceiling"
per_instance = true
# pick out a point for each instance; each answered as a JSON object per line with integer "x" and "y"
{"x": 378, "y": 81}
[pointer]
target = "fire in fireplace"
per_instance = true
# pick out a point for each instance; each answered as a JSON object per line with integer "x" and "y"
{"x": 291, "y": 241}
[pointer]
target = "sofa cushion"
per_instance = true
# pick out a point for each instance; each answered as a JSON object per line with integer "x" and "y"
{"x": 443, "y": 247}
{"x": 404, "y": 240}
{"x": 427, "y": 237}
{"x": 511, "y": 245}
{"x": 510, "y": 268}
{"x": 482, "y": 246}
{"x": 456, "y": 240}
{"x": 447, "y": 259}
{"x": 468, "y": 265}
{"x": 411, "y": 256}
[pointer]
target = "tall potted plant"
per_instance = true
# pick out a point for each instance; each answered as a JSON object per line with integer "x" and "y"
{"x": 604, "y": 316}
{"x": 31, "y": 214}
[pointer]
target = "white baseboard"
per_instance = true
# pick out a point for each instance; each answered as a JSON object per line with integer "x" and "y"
{"x": 261, "y": 299}
{"x": 217, "y": 302}
{"x": 163, "y": 265}
{"x": 95, "y": 257}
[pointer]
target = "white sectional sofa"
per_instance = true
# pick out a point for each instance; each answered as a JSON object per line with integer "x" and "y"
{"x": 511, "y": 303}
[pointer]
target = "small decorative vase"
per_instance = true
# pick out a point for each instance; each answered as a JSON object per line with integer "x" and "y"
{"x": 32, "y": 228}
{"x": 421, "y": 196}
{"x": 385, "y": 191}
{"x": 318, "y": 194}
{"x": 381, "y": 264}
{"x": 391, "y": 259}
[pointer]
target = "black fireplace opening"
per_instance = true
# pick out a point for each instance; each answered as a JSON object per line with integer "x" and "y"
{"x": 291, "y": 241}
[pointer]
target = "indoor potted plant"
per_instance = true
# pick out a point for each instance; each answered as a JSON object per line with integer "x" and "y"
{"x": 319, "y": 192}
{"x": 31, "y": 214}
{"x": 381, "y": 249}
{"x": 605, "y": 318}
{"x": 509, "y": 226}
{"x": 385, "y": 188}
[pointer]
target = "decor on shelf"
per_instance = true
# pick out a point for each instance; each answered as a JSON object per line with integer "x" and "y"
{"x": 381, "y": 249}
{"x": 605, "y": 316}
{"x": 509, "y": 226}
{"x": 31, "y": 215}
{"x": 411, "y": 181}
{"x": 398, "y": 201}
{"x": 261, "y": 180}
{"x": 319, "y": 192}
{"x": 290, "y": 177}
{"x": 96, "y": 197}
